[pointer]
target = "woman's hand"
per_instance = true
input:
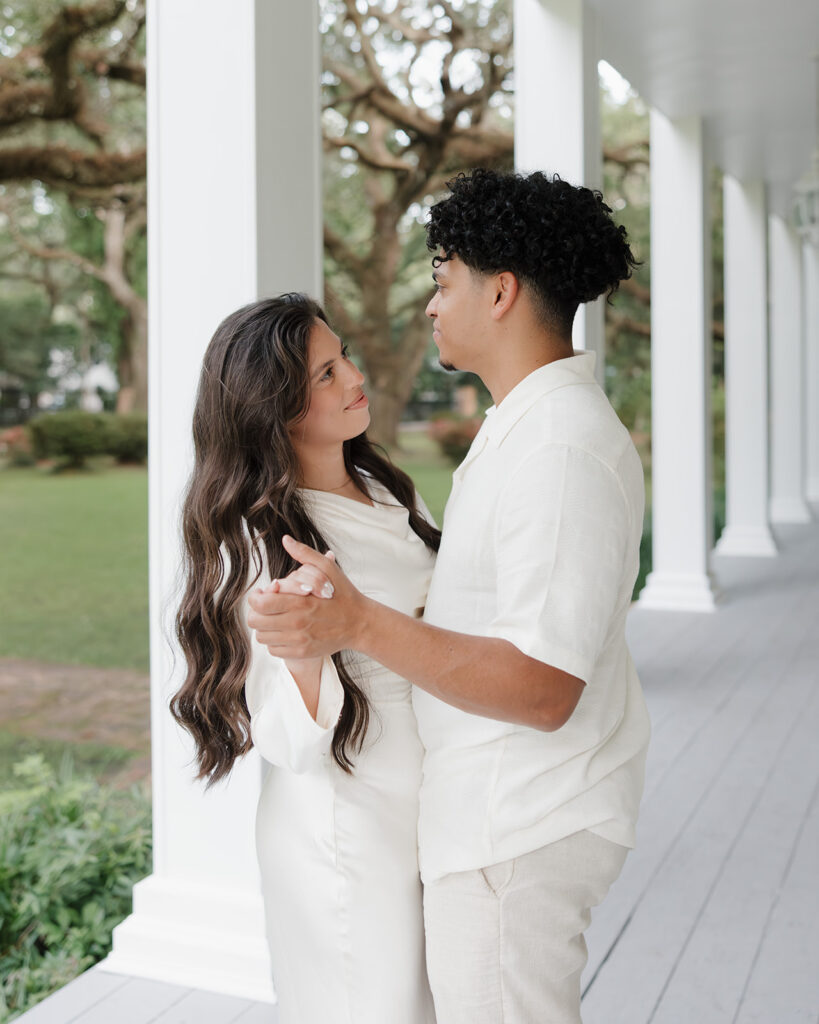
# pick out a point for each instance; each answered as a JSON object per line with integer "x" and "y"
{"x": 311, "y": 628}
{"x": 302, "y": 582}
{"x": 306, "y": 579}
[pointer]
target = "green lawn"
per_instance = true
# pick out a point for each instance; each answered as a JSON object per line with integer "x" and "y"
{"x": 73, "y": 565}
{"x": 418, "y": 455}
{"x": 95, "y": 759}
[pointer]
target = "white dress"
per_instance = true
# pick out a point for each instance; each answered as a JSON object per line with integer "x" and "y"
{"x": 338, "y": 853}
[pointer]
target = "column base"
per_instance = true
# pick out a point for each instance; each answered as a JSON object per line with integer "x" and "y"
{"x": 189, "y": 934}
{"x": 790, "y": 510}
{"x": 679, "y": 592}
{"x": 754, "y": 541}
{"x": 812, "y": 489}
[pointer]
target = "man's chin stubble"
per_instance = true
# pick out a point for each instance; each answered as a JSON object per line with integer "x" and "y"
{"x": 450, "y": 367}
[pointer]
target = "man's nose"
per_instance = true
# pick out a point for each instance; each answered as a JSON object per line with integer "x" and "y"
{"x": 431, "y": 306}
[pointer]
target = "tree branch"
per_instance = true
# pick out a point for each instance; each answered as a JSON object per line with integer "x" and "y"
{"x": 636, "y": 290}
{"x": 340, "y": 251}
{"x": 621, "y": 322}
{"x": 632, "y": 155}
{"x": 46, "y": 252}
{"x": 64, "y": 167}
{"x": 383, "y": 160}
{"x": 338, "y": 314}
{"x": 99, "y": 62}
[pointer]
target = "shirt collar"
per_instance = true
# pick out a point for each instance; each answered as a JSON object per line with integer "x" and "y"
{"x": 575, "y": 369}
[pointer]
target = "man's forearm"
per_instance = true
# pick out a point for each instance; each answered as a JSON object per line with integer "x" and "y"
{"x": 482, "y": 675}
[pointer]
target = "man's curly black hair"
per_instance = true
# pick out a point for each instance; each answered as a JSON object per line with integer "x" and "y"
{"x": 558, "y": 239}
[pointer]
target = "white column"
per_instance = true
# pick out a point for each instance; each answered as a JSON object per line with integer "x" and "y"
{"x": 682, "y": 524}
{"x": 234, "y": 214}
{"x": 787, "y": 368}
{"x": 747, "y": 531}
{"x": 810, "y": 263}
{"x": 557, "y": 114}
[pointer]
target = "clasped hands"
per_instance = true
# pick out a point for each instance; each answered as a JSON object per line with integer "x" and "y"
{"x": 295, "y": 618}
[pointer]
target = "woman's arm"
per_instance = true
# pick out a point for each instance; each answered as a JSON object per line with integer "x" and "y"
{"x": 294, "y": 703}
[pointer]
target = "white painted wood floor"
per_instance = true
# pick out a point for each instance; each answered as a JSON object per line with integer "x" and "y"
{"x": 715, "y": 919}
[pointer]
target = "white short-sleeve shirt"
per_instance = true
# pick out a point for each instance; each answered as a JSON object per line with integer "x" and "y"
{"x": 541, "y": 548}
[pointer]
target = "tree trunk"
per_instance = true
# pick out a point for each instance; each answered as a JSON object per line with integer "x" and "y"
{"x": 385, "y": 410}
{"x": 392, "y": 377}
{"x": 139, "y": 354}
{"x": 132, "y": 362}
{"x": 125, "y": 374}
{"x": 133, "y": 359}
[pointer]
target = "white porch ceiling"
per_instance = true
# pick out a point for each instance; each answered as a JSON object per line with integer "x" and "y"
{"x": 745, "y": 66}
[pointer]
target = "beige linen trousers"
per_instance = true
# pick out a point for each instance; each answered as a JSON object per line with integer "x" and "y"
{"x": 505, "y": 943}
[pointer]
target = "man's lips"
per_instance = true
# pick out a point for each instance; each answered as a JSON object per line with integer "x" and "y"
{"x": 360, "y": 403}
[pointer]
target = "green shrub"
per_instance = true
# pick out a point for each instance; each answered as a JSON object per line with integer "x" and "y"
{"x": 71, "y": 436}
{"x": 128, "y": 437}
{"x": 454, "y": 436}
{"x": 70, "y": 853}
{"x": 74, "y": 435}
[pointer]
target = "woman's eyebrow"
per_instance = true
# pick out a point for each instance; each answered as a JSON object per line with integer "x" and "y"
{"x": 320, "y": 369}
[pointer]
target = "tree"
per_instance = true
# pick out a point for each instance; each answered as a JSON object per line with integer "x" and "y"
{"x": 72, "y": 124}
{"x": 28, "y": 334}
{"x": 413, "y": 94}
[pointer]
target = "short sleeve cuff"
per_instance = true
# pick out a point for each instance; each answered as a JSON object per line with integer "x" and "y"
{"x": 542, "y": 649}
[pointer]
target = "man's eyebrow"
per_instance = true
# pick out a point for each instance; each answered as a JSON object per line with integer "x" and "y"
{"x": 435, "y": 276}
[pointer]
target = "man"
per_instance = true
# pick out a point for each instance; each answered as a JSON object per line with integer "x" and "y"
{"x": 527, "y": 700}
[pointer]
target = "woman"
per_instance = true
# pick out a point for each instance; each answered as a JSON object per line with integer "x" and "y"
{"x": 279, "y": 431}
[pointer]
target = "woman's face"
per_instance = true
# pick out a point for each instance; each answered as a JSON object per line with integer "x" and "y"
{"x": 338, "y": 407}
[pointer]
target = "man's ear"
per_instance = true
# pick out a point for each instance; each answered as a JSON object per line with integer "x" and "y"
{"x": 506, "y": 291}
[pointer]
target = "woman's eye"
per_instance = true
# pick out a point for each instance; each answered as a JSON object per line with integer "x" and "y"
{"x": 344, "y": 352}
{"x": 328, "y": 373}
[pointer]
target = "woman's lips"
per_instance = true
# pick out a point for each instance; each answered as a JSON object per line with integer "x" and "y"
{"x": 360, "y": 403}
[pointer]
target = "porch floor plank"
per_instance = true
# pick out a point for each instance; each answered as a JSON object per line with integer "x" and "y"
{"x": 711, "y": 920}
{"x": 75, "y": 998}
{"x": 137, "y": 1002}
{"x": 715, "y": 919}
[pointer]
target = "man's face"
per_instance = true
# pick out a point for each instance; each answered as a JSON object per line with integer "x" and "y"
{"x": 458, "y": 310}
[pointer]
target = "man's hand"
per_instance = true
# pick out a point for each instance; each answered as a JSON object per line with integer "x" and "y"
{"x": 301, "y": 625}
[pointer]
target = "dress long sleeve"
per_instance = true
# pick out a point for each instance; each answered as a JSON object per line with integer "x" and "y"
{"x": 282, "y": 728}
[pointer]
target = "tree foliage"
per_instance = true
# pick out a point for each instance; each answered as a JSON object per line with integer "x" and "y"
{"x": 72, "y": 157}
{"x": 412, "y": 94}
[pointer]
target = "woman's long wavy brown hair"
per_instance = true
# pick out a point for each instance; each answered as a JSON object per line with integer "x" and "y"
{"x": 243, "y": 496}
